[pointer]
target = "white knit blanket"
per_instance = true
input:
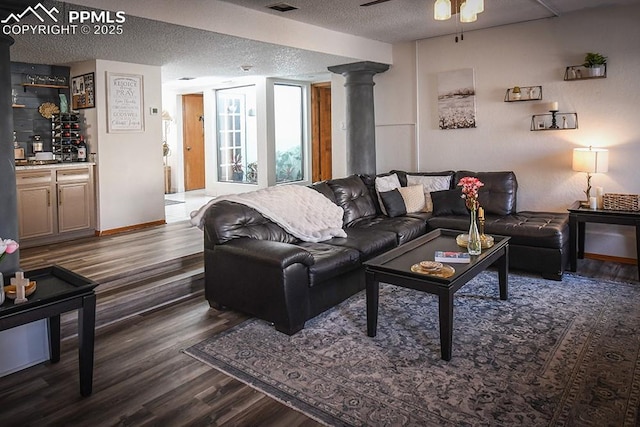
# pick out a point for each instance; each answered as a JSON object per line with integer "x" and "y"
{"x": 301, "y": 211}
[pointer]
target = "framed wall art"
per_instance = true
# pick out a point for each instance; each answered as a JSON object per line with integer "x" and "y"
{"x": 456, "y": 99}
{"x": 83, "y": 91}
{"x": 125, "y": 103}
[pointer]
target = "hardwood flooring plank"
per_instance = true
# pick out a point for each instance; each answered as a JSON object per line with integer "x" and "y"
{"x": 141, "y": 377}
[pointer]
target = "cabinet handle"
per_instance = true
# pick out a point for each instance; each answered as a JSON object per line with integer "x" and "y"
{"x": 48, "y": 197}
{"x": 60, "y": 197}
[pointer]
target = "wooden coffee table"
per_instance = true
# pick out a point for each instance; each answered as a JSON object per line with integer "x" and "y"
{"x": 394, "y": 267}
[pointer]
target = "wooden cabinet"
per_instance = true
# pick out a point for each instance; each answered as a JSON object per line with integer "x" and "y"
{"x": 55, "y": 204}
{"x": 35, "y": 207}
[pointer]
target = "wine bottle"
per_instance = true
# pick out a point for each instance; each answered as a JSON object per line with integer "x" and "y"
{"x": 82, "y": 150}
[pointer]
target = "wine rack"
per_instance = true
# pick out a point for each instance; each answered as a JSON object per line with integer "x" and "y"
{"x": 65, "y": 136}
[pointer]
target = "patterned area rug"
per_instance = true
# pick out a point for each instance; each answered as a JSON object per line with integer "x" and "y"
{"x": 555, "y": 354}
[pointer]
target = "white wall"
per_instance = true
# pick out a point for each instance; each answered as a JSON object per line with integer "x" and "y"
{"x": 130, "y": 180}
{"x": 533, "y": 53}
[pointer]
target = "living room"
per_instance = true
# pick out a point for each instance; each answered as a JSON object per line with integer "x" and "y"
{"x": 407, "y": 134}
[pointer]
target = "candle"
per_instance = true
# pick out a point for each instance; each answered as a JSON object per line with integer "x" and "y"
{"x": 599, "y": 199}
{"x": 593, "y": 202}
{"x": 553, "y": 106}
{"x": 481, "y": 214}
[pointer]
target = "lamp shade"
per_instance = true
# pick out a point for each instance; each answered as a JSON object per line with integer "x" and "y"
{"x": 442, "y": 10}
{"x": 466, "y": 13}
{"x": 590, "y": 160}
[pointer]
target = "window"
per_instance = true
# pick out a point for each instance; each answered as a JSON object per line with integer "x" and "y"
{"x": 289, "y": 118}
{"x": 237, "y": 140}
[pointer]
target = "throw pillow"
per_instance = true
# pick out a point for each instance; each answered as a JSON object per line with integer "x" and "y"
{"x": 430, "y": 184}
{"x": 413, "y": 197}
{"x": 393, "y": 202}
{"x": 386, "y": 183}
{"x": 448, "y": 202}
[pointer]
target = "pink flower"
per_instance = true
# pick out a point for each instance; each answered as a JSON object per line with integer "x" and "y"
{"x": 7, "y": 246}
{"x": 470, "y": 186}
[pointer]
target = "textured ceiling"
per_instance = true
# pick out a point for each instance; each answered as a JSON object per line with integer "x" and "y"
{"x": 188, "y": 52}
{"x": 404, "y": 20}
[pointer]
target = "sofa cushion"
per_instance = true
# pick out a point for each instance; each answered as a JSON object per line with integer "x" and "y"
{"x": 392, "y": 203}
{"x": 498, "y": 195}
{"x": 329, "y": 261}
{"x": 225, "y": 220}
{"x": 429, "y": 184}
{"x": 406, "y": 228}
{"x": 383, "y": 184}
{"x": 413, "y": 197}
{"x": 402, "y": 175}
{"x": 323, "y": 188}
{"x": 448, "y": 202}
{"x": 368, "y": 242}
{"x": 353, "y": 197}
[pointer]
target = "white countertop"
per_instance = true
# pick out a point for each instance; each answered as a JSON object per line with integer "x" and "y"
{"x": 55, "y": 166}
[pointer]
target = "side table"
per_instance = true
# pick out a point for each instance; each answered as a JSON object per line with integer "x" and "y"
{"x": 58, "y": 291}
{"x": 579, "y": 216}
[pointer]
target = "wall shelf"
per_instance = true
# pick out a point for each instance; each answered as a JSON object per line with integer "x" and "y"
{"x": 17, "y": 106}
{"x": 564, "y": 121}
{"x": 527, "y": 93}
{"x": 580, "y": 72}
{"x": 26, "y": 85}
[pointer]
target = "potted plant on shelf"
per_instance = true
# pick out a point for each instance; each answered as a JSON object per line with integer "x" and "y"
{"x": 516, "y": 93}
{"x": 594, "y": 63}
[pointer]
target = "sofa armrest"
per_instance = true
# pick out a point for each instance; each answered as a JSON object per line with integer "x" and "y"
{"x": 265, "y": 252}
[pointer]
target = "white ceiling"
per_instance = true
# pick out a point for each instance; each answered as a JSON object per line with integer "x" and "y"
{"x": 189, "y": 52}
{"x": 404, "y": 20}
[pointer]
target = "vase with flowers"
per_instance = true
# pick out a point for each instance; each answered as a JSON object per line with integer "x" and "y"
{"x": 470, "y": 186}
{"x": 7, "y": 246}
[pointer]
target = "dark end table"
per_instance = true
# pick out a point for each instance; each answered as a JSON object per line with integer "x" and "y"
{"x": 58, "y": 291}
{"x": 394, "y": 267}
{"x": 579, "y": 216}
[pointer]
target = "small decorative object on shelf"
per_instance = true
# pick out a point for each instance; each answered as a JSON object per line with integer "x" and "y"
{"x": 547, "y": 121}
{"x": 523, "y": 93}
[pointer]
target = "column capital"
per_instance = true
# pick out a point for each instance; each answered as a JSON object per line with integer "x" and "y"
{"x": 359, "y": 67}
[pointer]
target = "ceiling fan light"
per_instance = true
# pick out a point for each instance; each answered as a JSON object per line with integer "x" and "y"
{"x": 442, "y": 10}
{"x": 466, "y": 14}
{"x": 476, "y": 6}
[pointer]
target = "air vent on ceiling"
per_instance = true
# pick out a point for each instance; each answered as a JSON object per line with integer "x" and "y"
{"x": 282, "y": 7}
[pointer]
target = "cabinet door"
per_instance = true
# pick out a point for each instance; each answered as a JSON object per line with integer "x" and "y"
{"x": 74, "y": 206}
{"x": 35, "y": 211}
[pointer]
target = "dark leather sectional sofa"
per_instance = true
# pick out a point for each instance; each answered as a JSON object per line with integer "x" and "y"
{"x": 254, "y": 266}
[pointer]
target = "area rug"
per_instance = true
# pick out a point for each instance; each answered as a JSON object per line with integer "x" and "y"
{"x": 168, "y": 202}
{"x": 554, "y": 354}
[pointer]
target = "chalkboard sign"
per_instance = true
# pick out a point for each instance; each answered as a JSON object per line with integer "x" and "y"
{"x": 125, "y": 103}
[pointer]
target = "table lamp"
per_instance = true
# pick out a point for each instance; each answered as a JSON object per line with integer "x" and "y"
{"x": 590, "y": 160}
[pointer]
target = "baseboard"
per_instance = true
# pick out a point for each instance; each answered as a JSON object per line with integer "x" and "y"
{"x": 130, "y": 228}
{"x": 621, "y": 260}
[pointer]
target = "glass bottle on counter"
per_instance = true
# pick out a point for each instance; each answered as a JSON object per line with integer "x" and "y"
{"x": 82, "y": 150}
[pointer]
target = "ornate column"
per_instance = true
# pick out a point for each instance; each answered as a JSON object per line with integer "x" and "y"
{"x": 8, "y": 197}
{"x": 361, "y": 130}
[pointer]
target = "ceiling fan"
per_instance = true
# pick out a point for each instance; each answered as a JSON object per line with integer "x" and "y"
{"x": 371, "y": 3}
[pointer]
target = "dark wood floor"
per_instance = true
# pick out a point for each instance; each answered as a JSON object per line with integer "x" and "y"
{"x": 141, "y": 377}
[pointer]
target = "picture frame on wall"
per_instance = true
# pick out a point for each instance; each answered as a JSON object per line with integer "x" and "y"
{"x": 457, "y": 99}
{"x": 83, "y": 91}
{"x": 125, "y": 103}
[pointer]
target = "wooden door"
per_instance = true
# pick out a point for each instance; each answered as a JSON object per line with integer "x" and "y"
{"x": 36, "y": 201}
{"x": 321, "y": 131}
{"x": 193, "y": 141}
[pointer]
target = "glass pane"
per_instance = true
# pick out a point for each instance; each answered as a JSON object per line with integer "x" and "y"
{"x": 236, "y": 136}
{"x": 289, "y": 132}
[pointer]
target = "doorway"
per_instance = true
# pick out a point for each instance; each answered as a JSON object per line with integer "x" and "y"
{"x": 321, "y": 131}
{"x": 193, "y": 141}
